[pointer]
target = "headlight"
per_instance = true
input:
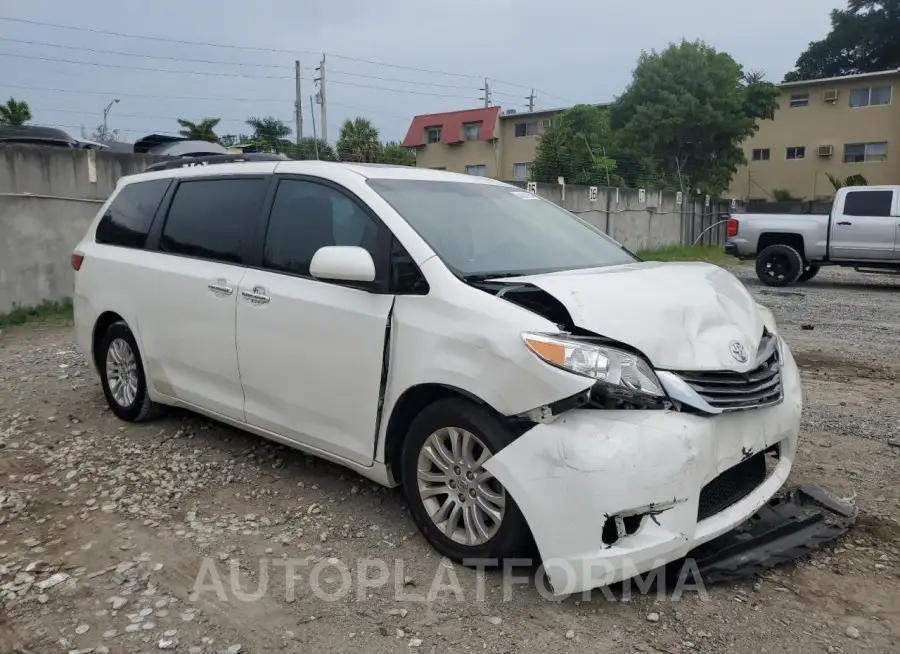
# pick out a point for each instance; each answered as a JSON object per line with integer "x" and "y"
{"x": 609, "y": 365}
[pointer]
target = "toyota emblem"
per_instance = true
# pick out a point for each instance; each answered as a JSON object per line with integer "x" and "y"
{"x": 738, "y": 352}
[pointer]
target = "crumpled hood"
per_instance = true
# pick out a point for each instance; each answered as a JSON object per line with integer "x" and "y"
{"x": 682, "y": 316}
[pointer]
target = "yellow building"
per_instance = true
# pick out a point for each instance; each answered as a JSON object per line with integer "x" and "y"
{"x": 843, "y": 126}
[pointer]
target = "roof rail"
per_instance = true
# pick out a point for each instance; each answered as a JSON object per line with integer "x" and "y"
{"x": 211, "y": 159}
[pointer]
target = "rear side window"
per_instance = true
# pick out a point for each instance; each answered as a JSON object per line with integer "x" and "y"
{"x": 869, "y": 203}
{"x": 307, "y": 216}
{"x": 127, "y": 219}
{"x": 214, "y": 218}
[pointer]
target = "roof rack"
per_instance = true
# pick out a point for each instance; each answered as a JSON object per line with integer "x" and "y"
{"x": 211, "y": 159}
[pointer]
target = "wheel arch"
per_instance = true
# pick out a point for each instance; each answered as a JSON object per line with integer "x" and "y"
{"x": 792, "y": 239}
{"x": 413, "y": 400}
{"x": 104, "y": 321}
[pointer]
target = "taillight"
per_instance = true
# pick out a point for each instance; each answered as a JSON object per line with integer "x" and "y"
{"x": 77, "y": 260}
{"x": 732, "y": 227}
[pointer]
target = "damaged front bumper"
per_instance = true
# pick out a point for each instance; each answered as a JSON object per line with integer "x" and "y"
{"x": 610, "y": 494}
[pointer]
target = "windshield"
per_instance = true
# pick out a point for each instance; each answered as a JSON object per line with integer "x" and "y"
{"x": 479, "y": 229}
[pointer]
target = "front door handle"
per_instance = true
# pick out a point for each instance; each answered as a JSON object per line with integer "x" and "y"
{"x": 220, "y": 289}
{"x": 257, "y": 295}
{"x": 845, "y": 222}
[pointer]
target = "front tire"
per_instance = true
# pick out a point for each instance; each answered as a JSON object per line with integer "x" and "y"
{"x": 460, "y": 508}
{"x": 779, "y": 265}
{"x": 122, "y": 375}
{"x": 811, "y": 271}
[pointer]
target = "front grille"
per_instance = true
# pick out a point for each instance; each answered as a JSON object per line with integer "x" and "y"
{"x": 735, "y": 391}
{"x": 732, "y": 486}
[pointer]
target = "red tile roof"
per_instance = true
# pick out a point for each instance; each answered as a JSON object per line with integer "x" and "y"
{"x": 451, "y": 124}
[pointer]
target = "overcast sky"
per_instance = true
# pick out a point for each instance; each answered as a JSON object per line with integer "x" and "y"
{"x": 569, "y": 50}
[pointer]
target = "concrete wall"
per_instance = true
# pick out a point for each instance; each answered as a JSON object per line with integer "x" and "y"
{"x": 655, "y": 223}
{"x": 48, "y": 197}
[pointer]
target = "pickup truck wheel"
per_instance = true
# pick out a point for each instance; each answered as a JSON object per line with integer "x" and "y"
{"x": 779, "y": 265}
{"x": 809, "y": 273}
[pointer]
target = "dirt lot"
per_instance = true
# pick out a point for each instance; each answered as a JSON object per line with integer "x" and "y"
{"x": 105, "y": 527}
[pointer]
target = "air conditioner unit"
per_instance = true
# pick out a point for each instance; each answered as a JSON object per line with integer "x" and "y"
{"x": 831, "y": 95}
{"x": 826, "y": 150}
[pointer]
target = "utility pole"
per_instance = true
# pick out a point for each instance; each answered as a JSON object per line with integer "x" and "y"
{"x": 313, "y": 116}
{"x": 487, "y": 93}
{"x": 322, "y": 100}
{"x": 530, "y": 99}
{"x": 298, "y": 107}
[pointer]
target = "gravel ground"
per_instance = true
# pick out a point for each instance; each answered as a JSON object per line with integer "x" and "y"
{"x": 106, "y": 527}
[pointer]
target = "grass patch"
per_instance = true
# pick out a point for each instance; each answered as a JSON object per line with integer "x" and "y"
{"x": 709, "y": 253}
{"x": 46, "y": 311}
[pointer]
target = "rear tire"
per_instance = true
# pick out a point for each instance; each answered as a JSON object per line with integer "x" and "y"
{"x": 810, "y": 272}
{"x": 779, "y": 265}
{"x": 455, "y": 503}
{"x": 122, "y": 375}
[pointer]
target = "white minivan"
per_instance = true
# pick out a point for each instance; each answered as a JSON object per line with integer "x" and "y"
{"x": 526, "y": 379}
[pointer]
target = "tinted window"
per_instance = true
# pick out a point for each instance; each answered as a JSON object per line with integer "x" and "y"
{"x": 307, "y": 216}
{"x": 127, "y": 219}
{"x": 869, "y": 203}
{"x": 213, "y": 219}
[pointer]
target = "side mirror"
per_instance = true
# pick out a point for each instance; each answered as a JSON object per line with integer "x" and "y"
{"x": 343, "y": 263}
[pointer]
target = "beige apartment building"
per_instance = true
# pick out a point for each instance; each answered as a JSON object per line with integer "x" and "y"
{"x": 484, "y": 141}
{"x": 843, "y": 126}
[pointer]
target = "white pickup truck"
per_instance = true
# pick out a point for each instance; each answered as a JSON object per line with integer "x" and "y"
{"x": 862, "y": 231}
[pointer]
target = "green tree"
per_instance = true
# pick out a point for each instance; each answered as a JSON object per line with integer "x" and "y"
{"x": 14, "y": 112}
{"x": 312, "y": 149}
{"x": 271, "y": 134}
{"x": 689, "y": 108}
{"x": 575, "y": 147}
{"x": 394, "y": 153}
{"x": 864, "y": 38}
{"x": 202, "y": 131}
{"x": 358, "y": 141}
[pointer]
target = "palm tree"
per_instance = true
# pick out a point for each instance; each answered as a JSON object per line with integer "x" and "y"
{"x": 14, "y": 112}
{"x": 358, "y": 141}
{"x": 854, "y": 180}
{"x": 270, "y": 134}
{"x": 202, "y": 131}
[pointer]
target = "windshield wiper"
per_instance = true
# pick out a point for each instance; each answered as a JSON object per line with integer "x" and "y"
{"x": 483, "y": 277}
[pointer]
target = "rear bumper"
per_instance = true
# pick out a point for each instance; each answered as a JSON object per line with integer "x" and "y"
{"x": 571, "y": 476}
{"x": 732, "y": 249}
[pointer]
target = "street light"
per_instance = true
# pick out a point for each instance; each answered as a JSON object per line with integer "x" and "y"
{"x": 106, "y": 113}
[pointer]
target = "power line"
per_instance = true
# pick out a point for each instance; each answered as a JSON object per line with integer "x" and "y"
{"x": 145, "y": 56}
{"x": 215, "y": 74}
{"x": 373, "y": 62}
{"x": 145, "y": 95}
{"x": 219, "y": 62}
